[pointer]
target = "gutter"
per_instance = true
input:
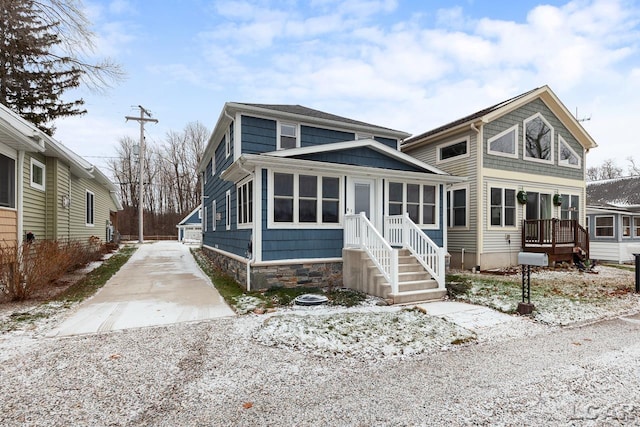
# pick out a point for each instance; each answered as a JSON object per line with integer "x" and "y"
{"x": 252, "y": 257}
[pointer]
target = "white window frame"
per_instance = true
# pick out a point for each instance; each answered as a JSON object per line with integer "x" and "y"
{"x": 93, "y": 208}
{"x": 228, "y": 210}
{"x": 205, "y": 222}
{"x": 612, "y": 227}
{"x": 577, "y": 208}
{"x": 439, "y": 148}
{"x": 524, "y": 140}
{"x": 421, "y": 202}
{"x": 213, "y": 164}
{"x": 502, "y": 225}
{"x": 622, "y": 226}
{"x": 14, "y": 188}
{"x": 279, "y": 134}
{"x": 513, "y": 155}
{"x": 450, "y": 208}
{"x": 227, "y": 143}
{"x": 561, "y": 142}
{"x": 296, "y": 199}
{"x": 213, "y": 215}
{"x": 38, "y": 164}
{"x": 241, "y": 187}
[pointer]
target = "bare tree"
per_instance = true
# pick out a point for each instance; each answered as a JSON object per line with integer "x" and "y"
{"x": 607, "y": 170}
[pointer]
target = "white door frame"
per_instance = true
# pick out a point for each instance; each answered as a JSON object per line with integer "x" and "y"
{"x": 375, "y": 195}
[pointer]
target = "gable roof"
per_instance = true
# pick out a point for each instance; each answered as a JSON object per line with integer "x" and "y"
{"x": 617, "y": 193}
{"x": 189, "y": 218}
{"x": 290, "y": 112}
{"x": 497, "y": 110}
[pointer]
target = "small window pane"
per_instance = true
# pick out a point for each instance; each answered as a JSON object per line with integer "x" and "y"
{"x": 330, "y": 188}
{"x": 330, "y": 211}
{"x": 308, "y": 186}
{"x": 429, "y": 214}
{"x": 429, "y": 194}
{"x": 307, "y": 210}
{"x": 413, "y": 193}
{"x": 283, "y": 210}
{"x": 283, "y": 184}
{"x": 395, "y": 192}
{"x": 413, "y": 211}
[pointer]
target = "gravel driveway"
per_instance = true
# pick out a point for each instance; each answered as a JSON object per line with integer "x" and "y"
{"x": 214, "y": 373}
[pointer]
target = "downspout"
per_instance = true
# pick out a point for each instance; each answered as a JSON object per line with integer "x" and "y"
{"x": 479, "y": 182}
{"x": 20, "y": 196}
{"x": 251, "y": 257}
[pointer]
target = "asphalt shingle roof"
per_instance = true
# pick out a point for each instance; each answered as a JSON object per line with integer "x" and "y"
{"x": 618, "y": 192}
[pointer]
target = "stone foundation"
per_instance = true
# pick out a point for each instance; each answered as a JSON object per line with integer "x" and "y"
{"x": 316, "y": 274}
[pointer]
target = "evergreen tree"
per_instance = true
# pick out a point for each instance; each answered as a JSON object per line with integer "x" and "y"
{"x": 39, "y": 42}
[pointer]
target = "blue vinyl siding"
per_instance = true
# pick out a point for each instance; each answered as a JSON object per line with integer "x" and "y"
{"x": 393, "y": 143}
{"x": 361, "y": 156}
{"x": 296, "y": 243}
{"x": 310, "y": 136}
{"x": 258, "y": 135}
{"x": 233, "y": 240}
{"x": 193, "y": 219}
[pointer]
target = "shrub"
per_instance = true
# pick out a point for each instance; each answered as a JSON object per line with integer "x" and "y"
{"x": 29, "y": 267}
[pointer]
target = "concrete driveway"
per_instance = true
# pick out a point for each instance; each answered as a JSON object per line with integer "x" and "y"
{"x": 160, "y": 284}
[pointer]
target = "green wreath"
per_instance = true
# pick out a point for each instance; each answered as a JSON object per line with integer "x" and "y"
{"x": 522, "y": 197}
{"x": 557, "y": 199}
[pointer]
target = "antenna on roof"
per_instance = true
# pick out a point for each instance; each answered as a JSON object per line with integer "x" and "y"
{"x": 583, "y": 119}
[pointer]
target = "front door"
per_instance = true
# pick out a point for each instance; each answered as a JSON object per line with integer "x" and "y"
{"x": 362, "y": 197}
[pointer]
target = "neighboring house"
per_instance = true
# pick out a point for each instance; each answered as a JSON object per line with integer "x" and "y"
{"x": 190, "y": 228}
{"x": 283, "y": 189}
{"x": 527, "y": 146}
{"x": 55, "y": 193}
{"x": 613, "y": 218}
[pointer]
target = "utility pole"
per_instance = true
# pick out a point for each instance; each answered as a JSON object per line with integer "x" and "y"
{"x": 142, "y": 120}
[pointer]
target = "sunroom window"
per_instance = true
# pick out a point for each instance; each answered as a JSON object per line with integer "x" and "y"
{"x": 305, "y": 199}
{"x": 604, "y": 226}
{"x": 418, "y": 200}
{"x": 538, "y": 139}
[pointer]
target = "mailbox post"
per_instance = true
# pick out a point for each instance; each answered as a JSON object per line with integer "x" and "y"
{"x": 527, "y": 259}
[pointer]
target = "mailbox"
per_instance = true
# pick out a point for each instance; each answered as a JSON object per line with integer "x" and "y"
{"x": 533, "y": 258}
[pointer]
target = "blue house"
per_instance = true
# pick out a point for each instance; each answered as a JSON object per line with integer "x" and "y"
{"x": 295, "y": 196}
{"x": 190, "y": 228}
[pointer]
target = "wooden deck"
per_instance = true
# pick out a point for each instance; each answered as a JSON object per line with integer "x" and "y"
{"x": 560, "y": 239}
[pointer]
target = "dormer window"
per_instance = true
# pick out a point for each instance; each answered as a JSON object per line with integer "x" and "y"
{"x": 288, "y": 137}
{"x": 538, "y": 139}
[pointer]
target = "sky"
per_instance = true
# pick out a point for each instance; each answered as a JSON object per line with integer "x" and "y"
{"x": 406, "y": 65}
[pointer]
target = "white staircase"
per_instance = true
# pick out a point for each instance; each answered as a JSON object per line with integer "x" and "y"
{"x": 414, "y": 273}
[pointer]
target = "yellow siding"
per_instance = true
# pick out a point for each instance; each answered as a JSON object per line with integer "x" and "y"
{"x": 34, "y": 210}
{"x": 8, "y": 225}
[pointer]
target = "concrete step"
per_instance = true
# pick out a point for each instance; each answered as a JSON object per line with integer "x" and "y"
{"x": 384, "y": 288}
{"x": 417, "y": 296}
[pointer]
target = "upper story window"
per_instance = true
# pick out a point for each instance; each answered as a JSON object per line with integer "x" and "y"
{"x": 288, "y": 136}
{"x": 538, "y": 139}
{"x": 7, "y": 182}
{"x": 566, "y": 155}
{"x": 504, "y": 143}
{"x": 37, "y": 174}
{"x": 452, "y": 150}
{"x": 363, "y": 136}
{"x": 227, "y": 143}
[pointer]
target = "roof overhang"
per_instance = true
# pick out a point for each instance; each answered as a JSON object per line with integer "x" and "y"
{"x": 248, "y": 163}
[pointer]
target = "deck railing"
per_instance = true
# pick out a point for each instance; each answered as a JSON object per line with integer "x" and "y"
{"x": 554, "y": 233}
{"x": 400, "y": 230}
{"x": 360, "y": 233}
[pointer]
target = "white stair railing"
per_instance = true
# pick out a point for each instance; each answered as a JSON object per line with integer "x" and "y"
{"x": 400, "y": 230}
{"x": 360, "y": 233}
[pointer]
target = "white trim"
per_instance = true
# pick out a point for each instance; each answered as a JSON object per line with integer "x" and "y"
{"x": 524, "y": 140}
{"x": 236, "y": 140}
{"x": 228, "y": 210}
{"x": 93, "y": 208}
{"x": 239, "y": 184}
{"x": 214, "y": 212}
{"x": 227, "y": 254}
{"x": 38, "y": 186}
{"x": 227, "y": 143}
{"x": 257, "y": 215}
{"x": 513, "y": 155}
{"x": 436, "y": 223}
{"x": 566, "y": 164}
{"x": 502, "y": 227}
{"x": 205, "y": 221}
{"x": 213, "y": 164}
{"x": 279, "y": 125}
{"x": 613, "y": 226}
{"x": 439, "y": 147}
{"x": 295, "y": 223}
{"x": 451, "y": 189}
